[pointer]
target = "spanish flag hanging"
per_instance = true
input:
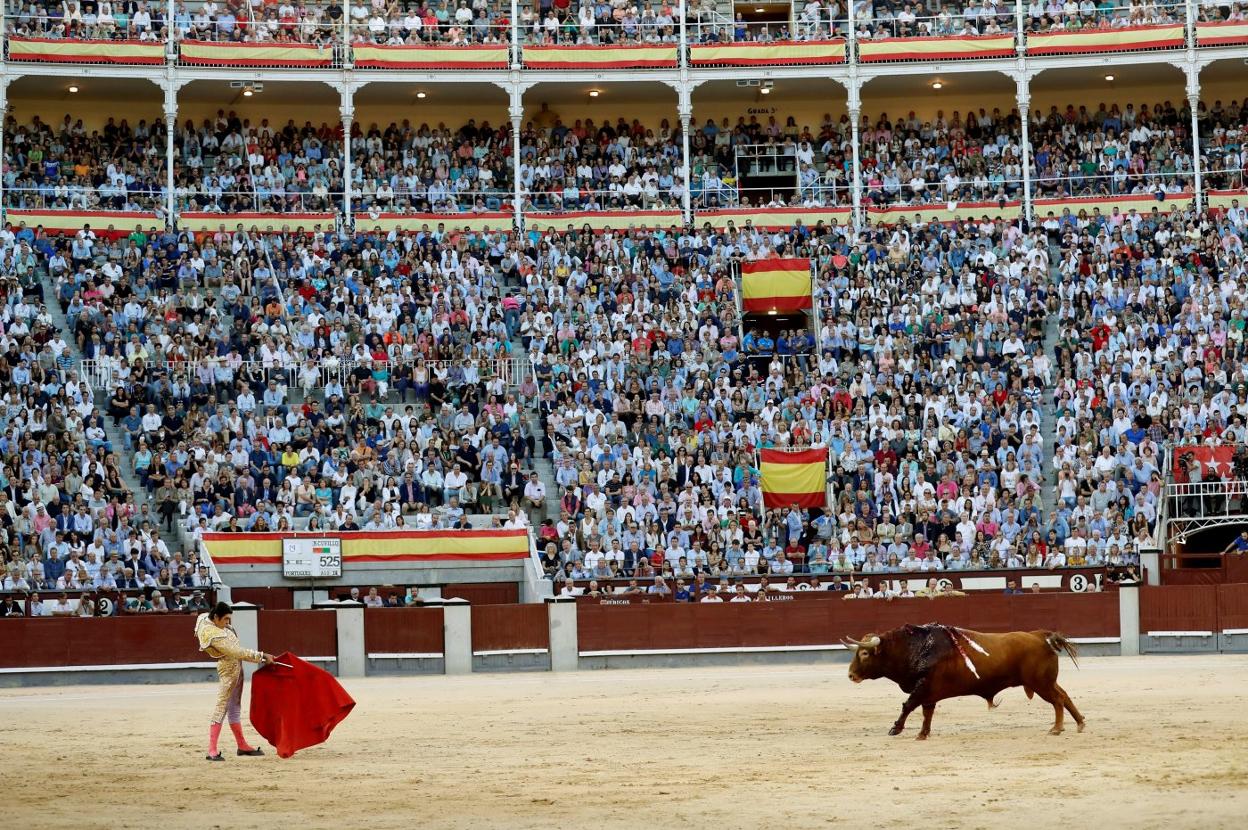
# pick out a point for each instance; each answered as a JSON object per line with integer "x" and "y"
{"x": 775, "y": 286}
{"x": 794, "y": 477}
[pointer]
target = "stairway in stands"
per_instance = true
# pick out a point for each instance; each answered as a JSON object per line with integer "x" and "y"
{"x": 1048, "y": 410}
{"x": 176, "y": 540}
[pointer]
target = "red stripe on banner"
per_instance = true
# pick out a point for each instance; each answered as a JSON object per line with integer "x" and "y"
{"x": 1228, "y": 40}
{"x": 506, "y": 533}
{"x": 226, "y": 561}
{"x": 541, "y": 64}
{"x": 807, "y": 500}
{"x": 779, "y": 304}
{"x": 762, "y": 266}
{"x": 932, "y": 56}
{"x": 303, "y": 64}
{"x": 40, "y": 57}
{"x": 1105, "y": 47}
{"x": 376, "y": 64}
{"x": 812, "y": 61}
{"x": 770, "y": 456}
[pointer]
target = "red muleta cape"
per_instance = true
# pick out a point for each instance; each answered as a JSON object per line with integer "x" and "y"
{"x": 298, "y": 707}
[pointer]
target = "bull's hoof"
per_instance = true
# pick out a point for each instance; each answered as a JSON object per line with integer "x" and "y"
{"x": 896, "y": 730}
{"x": 1080, "y": 727}
{"x": 1057, "y": 730}
{"x": 922, "y": 736}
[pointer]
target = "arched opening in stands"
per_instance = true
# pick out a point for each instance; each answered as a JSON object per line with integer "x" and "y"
{"x": 588, "y": 147}
{"x": 1222, "y": 98}
{"x": 258, "y": 149}
{"x": 1110, "y": 137}
{"x": 941, "y": 145}
{"x": 83, "y": 146}
{"x": 770, "y": 143}
{"x": 431, "y": 148}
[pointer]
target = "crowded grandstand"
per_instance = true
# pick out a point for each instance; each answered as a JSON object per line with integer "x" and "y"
{"x": 335, "y": 302}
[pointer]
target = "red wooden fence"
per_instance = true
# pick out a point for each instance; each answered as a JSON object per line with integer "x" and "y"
{"x": 403, "y": 630}
{"x": 1179, "y": 608}
{"x": 509, "y": 627}
{"x": 778, "y": 624}
{"x": 306, "y": 633}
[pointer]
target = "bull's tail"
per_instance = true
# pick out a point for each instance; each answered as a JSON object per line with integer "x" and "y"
{"x": 1059, "y": 643}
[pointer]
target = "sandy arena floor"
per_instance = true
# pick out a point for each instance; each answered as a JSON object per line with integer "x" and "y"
{"x": 1166, "y": 747}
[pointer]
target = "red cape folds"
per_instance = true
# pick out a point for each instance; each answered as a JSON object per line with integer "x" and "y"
{"x": 298, "y": 707}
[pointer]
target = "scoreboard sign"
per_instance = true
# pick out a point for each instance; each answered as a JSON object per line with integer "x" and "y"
{"x": 311, "y": 558}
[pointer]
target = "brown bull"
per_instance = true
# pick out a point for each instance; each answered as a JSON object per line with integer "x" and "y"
{"x": 933, "y": 662}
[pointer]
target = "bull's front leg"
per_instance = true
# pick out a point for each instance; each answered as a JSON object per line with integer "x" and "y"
{"x": 913, "y": 702}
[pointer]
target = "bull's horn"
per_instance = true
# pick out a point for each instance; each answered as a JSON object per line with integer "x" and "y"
{"x": 871, "y": 642}
{"x": 851, "y": 644}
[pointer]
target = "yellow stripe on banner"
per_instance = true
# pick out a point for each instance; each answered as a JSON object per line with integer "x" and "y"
{"x": 793, "y": 52}
{"x": 767, "y": 284}
{"x": 1223, "y": 199}
{"x": 952, "y": 47}
{"x": 944, "y": 213}
{"x": 1125, "y": 204}
{"x": 602, "y": 220}
{"x": 18, "y": 47}
{"x": 419, "y": 55}
{"x": 1229, "y": 32}
{"x": 596, "y": 55}
{"x": 1088, "y": 40}
{"x": 200, "y": 222}
{"x": 771, "y": 218}
{"x": 252, "y": 54}
{"x": 70, "y": 220}
{"x": 452, "y": 222}
{"x": 794, "y": 478}
{"x": 375, "y": 546}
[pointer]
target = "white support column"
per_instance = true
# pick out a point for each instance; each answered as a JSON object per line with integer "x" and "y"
{"x": 171, "y": 40}
{"x": 1020, "y": 43}
{"x": 684, "y": 37}
{"x": 346, "y": 109}
{"x": 1193, "y": 102}
{"x": 1150, "y": 563}
{"x": 685, "y": 108}
{"x": 1024, "y": 109}
{"x": 565, "y": 646}
{"x": 4, "y": 117}
{"x": 457, "y": 636}
{"x": 246, "y": 622}
{"x": 517, "y": 117}
{"x": 855, "y": 115}
{"x": 1129, "y": 620}
{"x": 171, "y": 126}
{"x": 515, "y": 34}
{"x": 348, "y": 56}
{"x": 349, "y": 618}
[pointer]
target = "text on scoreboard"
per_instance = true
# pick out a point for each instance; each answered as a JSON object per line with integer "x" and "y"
{"x": 312, "y": 558}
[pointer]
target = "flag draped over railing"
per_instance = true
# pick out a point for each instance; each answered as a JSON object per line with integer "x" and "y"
{"x": 794, "y": 477}
{"x": 775, "y": 285}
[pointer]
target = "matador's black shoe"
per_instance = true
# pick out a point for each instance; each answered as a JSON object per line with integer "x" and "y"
{"x": 217, "y": 757}
{"x": 252, "y": 752}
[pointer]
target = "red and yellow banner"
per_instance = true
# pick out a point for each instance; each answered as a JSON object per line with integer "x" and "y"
{"x": 85, "y": 51}
{"x": 936, "y": 48}
{"x": 1165, "y": 36}
{"x": 945, "y": 212}
{"x": 603, "y": 220}
{"x": 1225, "y": 33}
{"x": 386, "y": 222}
{"x": 779, "y": 53}
{"x": 121, "y": 222}
{"x": 1225, "y": 199}
{"x": 772, "y": 219}
{"x": 794, "y": 477}
{"x": 775, "y": 285}
{"x": 202, "y": 222}
{"x": 599, "y": 57}
{"x": 205, "y": 53}
{"x": 228, "y": 549}
{"x": 485, "y": 56}
{"x": 1141, "y": 203}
